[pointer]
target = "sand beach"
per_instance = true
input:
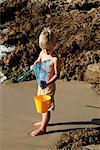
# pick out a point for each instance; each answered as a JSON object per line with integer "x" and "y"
{"x": 77, "y": 106}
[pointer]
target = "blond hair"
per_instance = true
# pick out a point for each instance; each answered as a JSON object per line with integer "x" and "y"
{"x": 47, "y": 39}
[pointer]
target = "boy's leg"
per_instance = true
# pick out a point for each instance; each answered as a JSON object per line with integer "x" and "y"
{"x": 44, "y": 123}
{"x": 38, "y": 123}
{"x": 43, "y": 118}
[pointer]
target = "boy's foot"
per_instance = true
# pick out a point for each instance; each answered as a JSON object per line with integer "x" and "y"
{"x": 38, "y": 132}
{"x": 37, "y": 124}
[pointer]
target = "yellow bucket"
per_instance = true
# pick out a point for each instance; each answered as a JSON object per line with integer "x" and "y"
{"x": 42, "y": 103}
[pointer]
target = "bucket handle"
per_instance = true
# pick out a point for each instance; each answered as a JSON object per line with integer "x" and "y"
{"x": 44, "y": 94}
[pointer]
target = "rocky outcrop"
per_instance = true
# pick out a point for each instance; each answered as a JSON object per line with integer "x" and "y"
{"x": 92, "y": 73}
{"x": 75, "y": 23}
{"x": 77, "y": 139}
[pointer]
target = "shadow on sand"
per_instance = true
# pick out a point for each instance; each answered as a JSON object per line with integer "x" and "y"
{"x": 92, "y": 122}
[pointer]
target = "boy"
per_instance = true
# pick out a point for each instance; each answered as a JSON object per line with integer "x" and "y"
{"x": 47, "y": 43}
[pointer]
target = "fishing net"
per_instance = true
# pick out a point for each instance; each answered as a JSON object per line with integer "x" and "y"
{"x": 41, "y": 71}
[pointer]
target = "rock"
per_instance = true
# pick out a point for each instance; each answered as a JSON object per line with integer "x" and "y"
{"x": 74, "y": 21}
{"x": 69, "y": 1}
{"x": 91, "y": 147}
{"x": 96, "y": 88}
{"x": 77, "y": 139}
{"x": 92, "y": 73}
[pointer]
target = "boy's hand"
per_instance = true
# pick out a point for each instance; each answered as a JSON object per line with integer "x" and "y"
{"x": 31, "y": 67}
{"x": 43, "y": 84}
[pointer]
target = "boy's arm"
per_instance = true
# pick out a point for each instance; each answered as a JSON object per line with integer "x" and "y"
{"x": 56, "y": 72}
{"x": 38, "y": 59}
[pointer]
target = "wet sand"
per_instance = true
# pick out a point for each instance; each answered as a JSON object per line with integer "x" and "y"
{"x": 77, "y": 106}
